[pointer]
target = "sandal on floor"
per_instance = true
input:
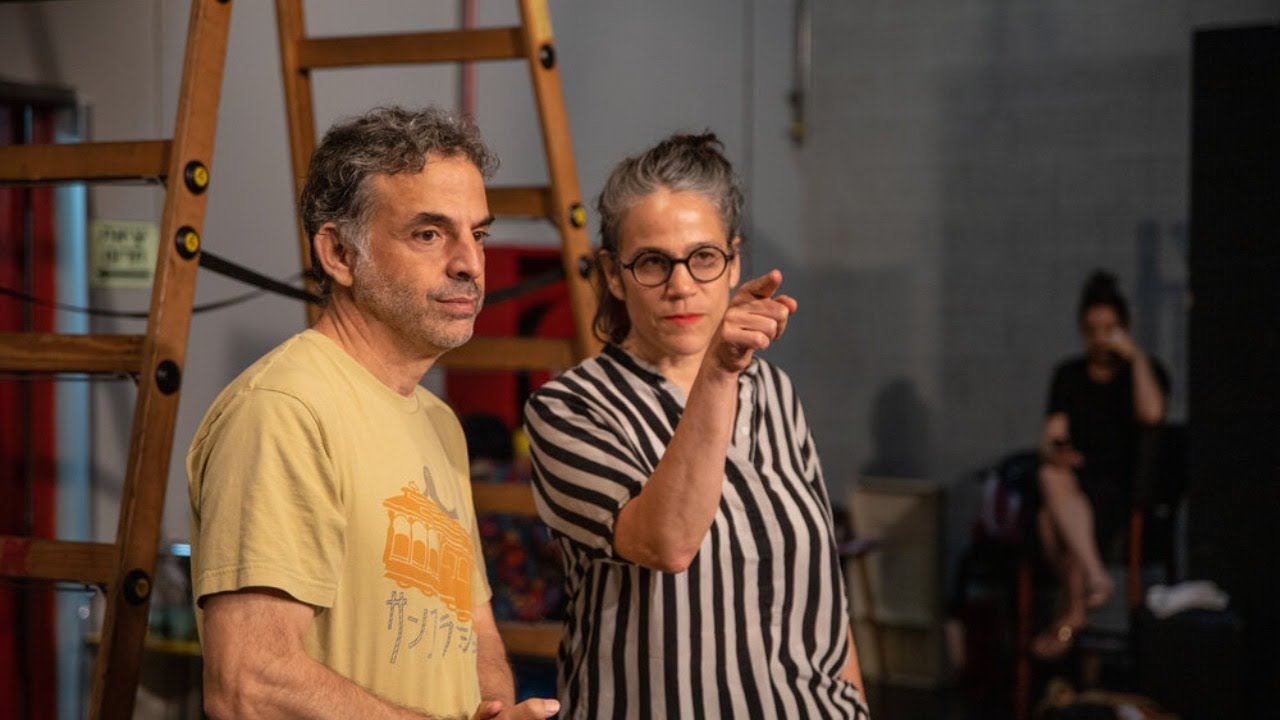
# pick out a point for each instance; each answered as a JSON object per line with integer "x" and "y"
{"x": 1060, "y": 640}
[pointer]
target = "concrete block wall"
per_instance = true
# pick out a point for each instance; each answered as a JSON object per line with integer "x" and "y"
{"x": 971, "y": 163}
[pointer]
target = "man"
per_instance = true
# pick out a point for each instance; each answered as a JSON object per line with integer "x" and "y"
{"x": 336, "y": 564}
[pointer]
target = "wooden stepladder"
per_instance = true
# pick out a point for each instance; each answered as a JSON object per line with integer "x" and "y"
{"x": 559, "y": 201}
{"x": 155, "y": 360}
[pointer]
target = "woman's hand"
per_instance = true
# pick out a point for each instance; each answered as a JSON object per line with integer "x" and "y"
{"x": 1122, "y": 344}
{"x": 1064, "y": 456}
{"x": 754, "y": 320}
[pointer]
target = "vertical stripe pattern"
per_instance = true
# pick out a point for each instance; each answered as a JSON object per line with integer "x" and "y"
{"x": 756, "y": 626}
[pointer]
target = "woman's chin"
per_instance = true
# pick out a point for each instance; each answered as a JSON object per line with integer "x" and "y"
{"x": 671, "y": 345}
{"x": 684, "y": 345}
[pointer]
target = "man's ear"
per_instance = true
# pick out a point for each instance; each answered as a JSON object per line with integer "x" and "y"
{"x": 336, "y": 258}
{"x": 612, "y": 274}
{"x": 735, "y": 265}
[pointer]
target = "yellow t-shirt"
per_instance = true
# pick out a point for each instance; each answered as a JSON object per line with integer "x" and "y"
{"x": 310, "y": 476}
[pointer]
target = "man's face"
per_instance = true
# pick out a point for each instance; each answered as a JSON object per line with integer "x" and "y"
{"x": 422, "y": 277}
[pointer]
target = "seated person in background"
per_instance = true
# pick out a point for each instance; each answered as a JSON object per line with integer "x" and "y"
{"x": 335, "y": 557}
{"x": 1097, "y": 406}
{"x": 678, "y": 473}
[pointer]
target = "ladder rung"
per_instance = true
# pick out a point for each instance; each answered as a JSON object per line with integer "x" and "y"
{"x": 69, "y": 162}
{"x": 503, "y": 353}
{"x": 521, "y": 201}
{"x": 504, "y": 498}
{"x": 47, "y": 352}
{"x": 83, "y": 562}
{"x": 410, "y": 48}
{"x": 535, "y": 639}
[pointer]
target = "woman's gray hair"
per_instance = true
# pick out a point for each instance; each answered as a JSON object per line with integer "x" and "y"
{"x": 680, "y": 163}
{"x": 383, "y": 141}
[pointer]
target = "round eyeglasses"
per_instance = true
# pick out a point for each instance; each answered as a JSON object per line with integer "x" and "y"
{"x": 652, "y": 268}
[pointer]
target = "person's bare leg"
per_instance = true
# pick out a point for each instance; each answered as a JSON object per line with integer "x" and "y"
{"x": 1056, "y": 639}
{"x": 1047, "y": 531}
{"x": 1073, "y": 517}
{"x": 1054, "y": 552}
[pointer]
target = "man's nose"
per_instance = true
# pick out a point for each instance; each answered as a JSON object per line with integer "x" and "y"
{"x": 467, "y": 259}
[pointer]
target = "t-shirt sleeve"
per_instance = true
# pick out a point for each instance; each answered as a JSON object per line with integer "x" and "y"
{"x": 1059, "y": 391}
{"x": 584, "y": 471}
{"x": 269, "y": 511}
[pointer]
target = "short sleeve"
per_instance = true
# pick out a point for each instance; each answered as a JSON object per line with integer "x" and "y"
{"x": 811, "y": 464}
{"x": 1060, "y": 391}
{"x": 267, "y": 509}
{"x": 584, "y": 470}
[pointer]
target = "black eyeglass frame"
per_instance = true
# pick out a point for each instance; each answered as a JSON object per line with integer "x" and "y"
{"x": 673, "y": 262}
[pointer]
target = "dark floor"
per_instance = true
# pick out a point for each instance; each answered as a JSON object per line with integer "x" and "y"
{"x": 896, "y": 702}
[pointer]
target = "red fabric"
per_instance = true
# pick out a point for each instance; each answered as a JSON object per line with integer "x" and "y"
{"x": 28, "y": 663}
{"x": 545, "y": 313}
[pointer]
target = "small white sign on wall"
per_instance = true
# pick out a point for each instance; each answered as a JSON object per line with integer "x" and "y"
{"x": 123, "y": 253}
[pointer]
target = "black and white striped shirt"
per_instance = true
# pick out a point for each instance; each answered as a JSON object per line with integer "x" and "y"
{"x": 756, "y": 627}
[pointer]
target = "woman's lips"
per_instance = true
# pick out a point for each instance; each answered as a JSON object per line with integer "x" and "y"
{"x": 683, "y": 319}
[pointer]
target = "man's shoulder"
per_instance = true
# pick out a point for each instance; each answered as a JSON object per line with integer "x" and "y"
{"x": 292, "y": 372}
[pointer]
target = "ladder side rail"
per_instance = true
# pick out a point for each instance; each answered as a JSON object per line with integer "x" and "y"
{"x": 300, "y": 112}
{"x": 164, "y": 353}
{"x": 566, "y": 196}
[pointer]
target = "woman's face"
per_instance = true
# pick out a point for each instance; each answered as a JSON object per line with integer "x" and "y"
{"x": 1098, "y": 328}
{"x": 678, "y": 318}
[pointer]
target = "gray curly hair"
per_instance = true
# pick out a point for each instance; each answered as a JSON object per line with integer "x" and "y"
{"x": 383, "y": 141}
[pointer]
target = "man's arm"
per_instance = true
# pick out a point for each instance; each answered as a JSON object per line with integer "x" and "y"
{"x": 255, "y": 665}
{"x": 497, "y": 687}
{"x": 496, "y": 682}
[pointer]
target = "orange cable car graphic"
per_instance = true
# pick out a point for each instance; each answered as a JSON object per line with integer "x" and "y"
{"x": 427, "y": 549}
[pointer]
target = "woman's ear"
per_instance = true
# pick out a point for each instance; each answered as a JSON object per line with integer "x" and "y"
{"x": 612, "y": 274}
{"x": 735, "y": 265}
{"x": 336, "y": 257}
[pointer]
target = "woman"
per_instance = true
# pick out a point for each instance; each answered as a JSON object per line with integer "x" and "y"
{"x": 680, "y": 478}
{"x": 1098, "y": 405}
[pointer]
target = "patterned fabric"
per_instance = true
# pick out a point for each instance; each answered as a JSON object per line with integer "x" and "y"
{"x": 757, "y": 626}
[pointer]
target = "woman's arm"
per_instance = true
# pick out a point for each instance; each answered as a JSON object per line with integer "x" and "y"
{"x": 852, "y": 670}
{"x": 663, "y": 526}
{"x": 1148, "y": 396}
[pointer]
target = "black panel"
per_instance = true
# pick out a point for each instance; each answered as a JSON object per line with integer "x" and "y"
{"x": 1234, "y": 325}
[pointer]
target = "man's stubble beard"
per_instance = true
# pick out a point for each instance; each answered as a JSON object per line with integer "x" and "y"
{"x": 413, "y": 318}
